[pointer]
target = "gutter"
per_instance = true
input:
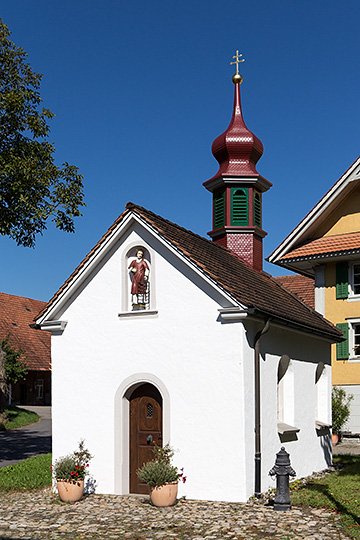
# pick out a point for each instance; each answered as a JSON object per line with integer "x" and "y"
{"x": 257, "y": 407}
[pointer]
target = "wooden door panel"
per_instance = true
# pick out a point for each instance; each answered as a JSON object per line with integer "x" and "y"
{"x": 145, "y": 431}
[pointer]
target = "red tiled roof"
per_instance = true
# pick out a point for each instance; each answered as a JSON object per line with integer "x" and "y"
{"x": 253, "y": 289}
{"x": 302, "y": 286}
{"x": 16, "y": 314}
{"x": 325, "y": 245}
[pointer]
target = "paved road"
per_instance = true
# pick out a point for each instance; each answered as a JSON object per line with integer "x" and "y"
{"x": 28, "y": 441}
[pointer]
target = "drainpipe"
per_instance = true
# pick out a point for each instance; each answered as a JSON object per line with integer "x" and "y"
{"x": 257, "y": 408}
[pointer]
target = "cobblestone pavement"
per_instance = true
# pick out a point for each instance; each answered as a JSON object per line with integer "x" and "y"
{"x": 41, "y": 516}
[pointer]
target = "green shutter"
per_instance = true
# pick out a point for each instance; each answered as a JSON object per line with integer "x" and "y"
{"x": 257, "y": 210}
{"x": 342, "y": 285}
{"x": 239, "y": 206}
{"x": 219, "y": 209}
{"x": 342, "y": 349}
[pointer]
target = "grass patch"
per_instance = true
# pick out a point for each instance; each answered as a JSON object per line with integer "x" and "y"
{"x": 338, "y": 492}
{"x": 32, "y": 473}
{"x": 17, "y": 417}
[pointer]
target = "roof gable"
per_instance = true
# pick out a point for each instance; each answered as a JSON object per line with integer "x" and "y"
{"x": 255, "y": 290}
{"x": 312, "y": 223}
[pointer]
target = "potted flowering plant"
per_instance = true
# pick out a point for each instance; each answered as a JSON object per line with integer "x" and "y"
{"x": 161, "y": 476}
{"x": 69, "y": 472}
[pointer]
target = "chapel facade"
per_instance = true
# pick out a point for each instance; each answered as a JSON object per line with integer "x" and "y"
{"x": 177, "y": 338}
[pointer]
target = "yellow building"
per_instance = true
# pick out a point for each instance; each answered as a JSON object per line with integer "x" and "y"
{"x": 325, "y": 246}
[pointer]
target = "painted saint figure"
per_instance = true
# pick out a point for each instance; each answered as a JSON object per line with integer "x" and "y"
{"x": 139, "y": 285}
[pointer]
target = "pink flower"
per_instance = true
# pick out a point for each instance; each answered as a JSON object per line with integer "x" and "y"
{"x": 184, "y": 479}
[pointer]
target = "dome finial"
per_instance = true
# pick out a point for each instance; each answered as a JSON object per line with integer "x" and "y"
{"x": 237, "y": 78}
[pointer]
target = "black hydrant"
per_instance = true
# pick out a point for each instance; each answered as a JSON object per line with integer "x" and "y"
{"x": 282, "y": 470}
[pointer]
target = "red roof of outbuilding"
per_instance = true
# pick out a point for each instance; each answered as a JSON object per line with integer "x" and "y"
{"x": 302, "y": 286}
{"x": 16, "y": 314}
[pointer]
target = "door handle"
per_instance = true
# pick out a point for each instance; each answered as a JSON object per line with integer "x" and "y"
{"x": 149, "y": 439}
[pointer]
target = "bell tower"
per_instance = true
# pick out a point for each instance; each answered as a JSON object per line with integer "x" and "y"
{"x": 237, "y": 187}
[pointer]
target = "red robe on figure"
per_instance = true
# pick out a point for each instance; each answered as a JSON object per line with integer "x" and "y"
{"x": 138, "y": 277}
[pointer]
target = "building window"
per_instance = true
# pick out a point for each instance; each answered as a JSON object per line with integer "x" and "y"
{"x": 285, "y": 396}
{"x": 342, "y": 348}
{"x": 322, "y": 397}
{"x": 349, "y": 349}
{"x": 355, "y": 280}
{"x": 39, "y": 389}
{"x": 342, "y": 280}
{"x": 239, "y": 207}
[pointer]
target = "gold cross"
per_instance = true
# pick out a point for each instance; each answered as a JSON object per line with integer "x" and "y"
{"x": 237, "y": 61}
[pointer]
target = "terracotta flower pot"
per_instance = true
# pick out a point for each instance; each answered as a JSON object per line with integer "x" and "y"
{"x": 334, "y": 439}
{"x": 164, "y": 495}
{"x": 70, "y": 491}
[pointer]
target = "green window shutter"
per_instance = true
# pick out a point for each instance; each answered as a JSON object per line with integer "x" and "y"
{"x": 219, "y": 209}
{"x": 342, "y": 349}
{"x": 257, "y": 210}
{"x": 239, "y": 206}
{"x": 342, "y": 285}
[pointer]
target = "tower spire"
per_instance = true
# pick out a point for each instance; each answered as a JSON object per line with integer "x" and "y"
{"x": 237, "y": 187}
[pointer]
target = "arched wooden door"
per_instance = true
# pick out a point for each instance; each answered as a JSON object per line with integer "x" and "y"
{"x": 145, "y": 430}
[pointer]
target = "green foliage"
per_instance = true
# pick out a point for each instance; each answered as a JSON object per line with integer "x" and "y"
{"x": 32, "y": 187}
{"x": 17, "y": 417}
{"x": 160, "y": 471}
{"x": 340, "y": 402}
{"x": 15, "y": 367}
{"x": 32, "y": 473}
{"x": 338, "y": 491}
{"x": 157, "y": 473}
{"x": 73, "y": 466}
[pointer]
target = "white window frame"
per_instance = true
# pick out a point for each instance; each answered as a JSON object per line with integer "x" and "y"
{"x": 352, "y": 356}
{"x": 352, "y": 295}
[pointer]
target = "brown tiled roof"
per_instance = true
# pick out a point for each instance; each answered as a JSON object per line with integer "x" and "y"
{"x": 16, "y": 314}
{"x": 302, "y": 286}
{"x": 325, "y": 246}
{"x": 253, "y": 289}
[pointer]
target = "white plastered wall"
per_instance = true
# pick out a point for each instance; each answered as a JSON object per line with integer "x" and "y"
{"x": 202, "y": 366}
{"x": 309, "y": 449}
{"x": 195, "y": 358}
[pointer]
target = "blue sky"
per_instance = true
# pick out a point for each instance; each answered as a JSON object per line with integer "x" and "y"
{"x": 141, "y": 89}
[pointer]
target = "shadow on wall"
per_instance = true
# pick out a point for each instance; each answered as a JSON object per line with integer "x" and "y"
{"x": 326, "y": 444}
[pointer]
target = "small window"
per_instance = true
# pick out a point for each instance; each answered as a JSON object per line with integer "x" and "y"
{"x": 39, "y": 389}
{"x": 322, "y": 416}
{"x": 342, "y": 280}
{"x": 239, "y": 207}
{"x": 354, "y": 289}
{"x": 285, "y": 397}
{"x": 149, "y": 411}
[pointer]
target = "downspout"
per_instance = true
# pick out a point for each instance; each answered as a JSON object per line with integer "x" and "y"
{"x": 257, "y": 408}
